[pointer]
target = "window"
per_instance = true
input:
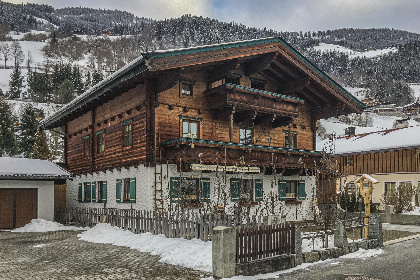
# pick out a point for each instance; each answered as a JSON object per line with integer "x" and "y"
{"x": 100, "y": 142}
{"x": 349, "y": 160}
{"x": 190, "y": 190}
{"x": 407, "y": 185}
{"x": 257, "y": 83}
{"x": 245, "y": 135}
{"x": 126, "y": 190}
{"x": 292, "y": 190}
{"x": 127, "y": 133}
{"x": 390, "y": 188}
{"x": 246, "y": 190}
{"x": 86, "y": 192}
{"x": 187, "y": 88}
{"x": 290, "y": 138}
{"x": 102, "y": 192}
{"x": 86, "y": 146}
{"x": 190, "y": 129}
{"x": 233, "y": 80}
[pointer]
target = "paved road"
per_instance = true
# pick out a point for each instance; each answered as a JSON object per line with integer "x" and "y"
{"x": 60, "y": 255}
{"x": 399, "y": 261}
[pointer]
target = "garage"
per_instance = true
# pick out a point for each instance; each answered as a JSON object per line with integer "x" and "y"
{"x": 17, "y": 207}
{"x": 27, "y": 190}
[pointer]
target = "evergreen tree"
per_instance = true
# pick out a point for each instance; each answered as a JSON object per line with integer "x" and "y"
{"x": 40, "y": 149}
{"x": 39, "y": 87}
{"x": 88, "y": 82}
{"x": 15, "y": 83}
{"x": 28, "y": 128}
{"x": 8, "y": 143}
{"x": 77, "y": 79}
{"x": 97, "y": 77}
{"x": 65, "y": 93}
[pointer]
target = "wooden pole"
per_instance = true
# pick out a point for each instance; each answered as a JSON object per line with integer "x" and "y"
{"x": 366, "y": 194}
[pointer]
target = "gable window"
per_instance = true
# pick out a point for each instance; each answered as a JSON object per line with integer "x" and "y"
{"x": 190, "y": 128}
{"x": 245, "y": 135}
{"x": 292, "y": 190}
{"x": 126, "y": 190}
{"x": 102, "y": 192}
{"x": 187, "y": 88}
{"x": 246, "y": 190}
{"x": 290, "y": 138}
{"x": 100, "y": 142}
{"x": 233, "y": 79}
{"x": 86, "y": 146}
{"x": 127, "y": 133}
{"x": 190, "y": 190}
{"x": 257, "y": 83}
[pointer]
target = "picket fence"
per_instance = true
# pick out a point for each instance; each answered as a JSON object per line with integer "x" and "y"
{"x": 187, "y": 225}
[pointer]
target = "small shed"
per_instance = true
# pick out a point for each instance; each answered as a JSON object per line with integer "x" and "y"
{"x": 27, "y": 190}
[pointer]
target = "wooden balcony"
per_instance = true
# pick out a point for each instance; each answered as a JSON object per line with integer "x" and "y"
{"x": 192, "y": 151}
{"x": 259, "y": 102}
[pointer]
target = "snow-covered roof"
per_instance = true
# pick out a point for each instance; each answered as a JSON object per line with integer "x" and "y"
{"x": 27, "y": 168}
{"x": 375, "y": 141}
{"x": 368, "y": 177}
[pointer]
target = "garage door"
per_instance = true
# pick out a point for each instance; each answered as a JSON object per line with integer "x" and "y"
{"x": 17, "y": 207}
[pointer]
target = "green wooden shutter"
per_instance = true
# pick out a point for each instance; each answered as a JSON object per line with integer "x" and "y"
{"x": 258, "y": 189}
{"x": 88, "y": 192}
{"x": 94, "y": 192}
{"x": 104, "y": 191}
{"x": 132, "y": 190}
{"x": 80, "y": 193}
{"x": 282, "y": 190}
{"x": 205, "y": 190}
{"x": 301, "y": 190}
{"x": 118, "y": 190}
{"x": 235, "y": 189}
{"x": 174, "y": 188}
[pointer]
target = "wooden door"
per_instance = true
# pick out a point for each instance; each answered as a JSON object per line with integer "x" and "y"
{"x": 26, "y": 206}
{"x": 17, "y": 207}
{"x": 7, "y": 198}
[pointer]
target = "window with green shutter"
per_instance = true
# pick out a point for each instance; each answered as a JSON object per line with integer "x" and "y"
{"x": 174, "y": 188}
{"x": 258, "y": 183}
{"x": 282, "y": 190}
{"x": 93, "y": 184}
{"x": 80, "y": 193}
{"x": 88, "y": 192}
{"x": 104, "y": 191}
{"x": 235, "y": 189}
{"x": 205, "y": 190}
{"x": 301, "y": 190}
{"x": 118, "y": 186}
{"x": 132, "y": 190}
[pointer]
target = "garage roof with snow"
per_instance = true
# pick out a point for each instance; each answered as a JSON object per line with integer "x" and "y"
{"x": 34, "y": 169}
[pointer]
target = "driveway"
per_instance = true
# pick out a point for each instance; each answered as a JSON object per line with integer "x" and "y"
{"x": 60, "y": 255}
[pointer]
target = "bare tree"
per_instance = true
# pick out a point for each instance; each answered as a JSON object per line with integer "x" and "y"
{"x": 5, "y": 51}
{"x": 17, "y": 53}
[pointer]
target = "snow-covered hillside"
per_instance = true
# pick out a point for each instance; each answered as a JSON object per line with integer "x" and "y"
{"x": 353, "y": 54}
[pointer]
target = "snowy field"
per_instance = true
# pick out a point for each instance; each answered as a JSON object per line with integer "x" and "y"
{"x": 353, "y": 54}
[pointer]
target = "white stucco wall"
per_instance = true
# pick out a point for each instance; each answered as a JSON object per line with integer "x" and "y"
{"x": 45, "y": 194}
{"x": 145, "y": 186}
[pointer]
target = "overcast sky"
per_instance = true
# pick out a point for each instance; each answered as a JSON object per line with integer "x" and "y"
{"x": 280, "y": 15}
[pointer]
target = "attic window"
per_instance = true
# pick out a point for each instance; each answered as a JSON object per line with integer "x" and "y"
{"x": 257, "y": 83}
{"x": 187, "y": 89}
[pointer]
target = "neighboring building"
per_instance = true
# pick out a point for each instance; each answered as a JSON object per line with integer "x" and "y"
{"x": 215, "y": 126}
{"x": 412, "y": 109}
{"x": 391, "y": 157}
{"x": 27, "y": 188}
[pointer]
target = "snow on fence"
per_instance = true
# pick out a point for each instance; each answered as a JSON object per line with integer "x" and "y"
{"x": 187, "y": 225}
{"x": 264, "y": 241}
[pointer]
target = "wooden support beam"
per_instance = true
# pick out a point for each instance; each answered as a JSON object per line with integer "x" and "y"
{"x": 295, "y": 86}
{"x": 258, "y": 64}
{"x": 285, "y": 68}
{"x": 221, "y": 71}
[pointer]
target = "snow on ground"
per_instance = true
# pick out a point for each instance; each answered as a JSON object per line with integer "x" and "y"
{"x": 359, "y": 93}
{"x": 353, "y": 54}
{"x": 41, "y": 225}
{"x": 18, "y": 106}
{"x": 416, "y": 90}
{"x": 193, "y": 253}
{"x": 316, "y": 244}
{"x": 363, "y": 254}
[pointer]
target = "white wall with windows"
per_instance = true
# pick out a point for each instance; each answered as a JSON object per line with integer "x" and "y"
{"x": 133, "y": 188}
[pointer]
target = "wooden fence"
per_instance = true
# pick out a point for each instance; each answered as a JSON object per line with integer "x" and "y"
{"x": 187, "y": 225}
{"x": 264, "y": 241}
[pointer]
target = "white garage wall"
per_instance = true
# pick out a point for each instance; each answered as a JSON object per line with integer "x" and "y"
{"x": 45, "y": 194}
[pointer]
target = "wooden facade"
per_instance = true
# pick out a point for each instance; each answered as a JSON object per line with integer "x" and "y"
{"x": 248, "y": 104}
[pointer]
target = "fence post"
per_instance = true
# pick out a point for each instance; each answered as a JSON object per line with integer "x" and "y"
{"x": 340, "y": 237}
{"x": 298, "y": 246}
{"x": 224, "y": 252}
{"x": 375, "y": 229}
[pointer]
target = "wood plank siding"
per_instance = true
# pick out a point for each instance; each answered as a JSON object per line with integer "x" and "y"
{"x": 391, "y": 161}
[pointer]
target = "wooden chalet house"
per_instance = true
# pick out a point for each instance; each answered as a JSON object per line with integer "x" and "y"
{"x": 391, "y": 157}
{"x": 220, "y": 125}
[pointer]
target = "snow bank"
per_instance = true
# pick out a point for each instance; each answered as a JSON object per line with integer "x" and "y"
{"x": 41, "y": 225}
{"x": 193, "y": 253}
{"x": 363, "y": 254}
